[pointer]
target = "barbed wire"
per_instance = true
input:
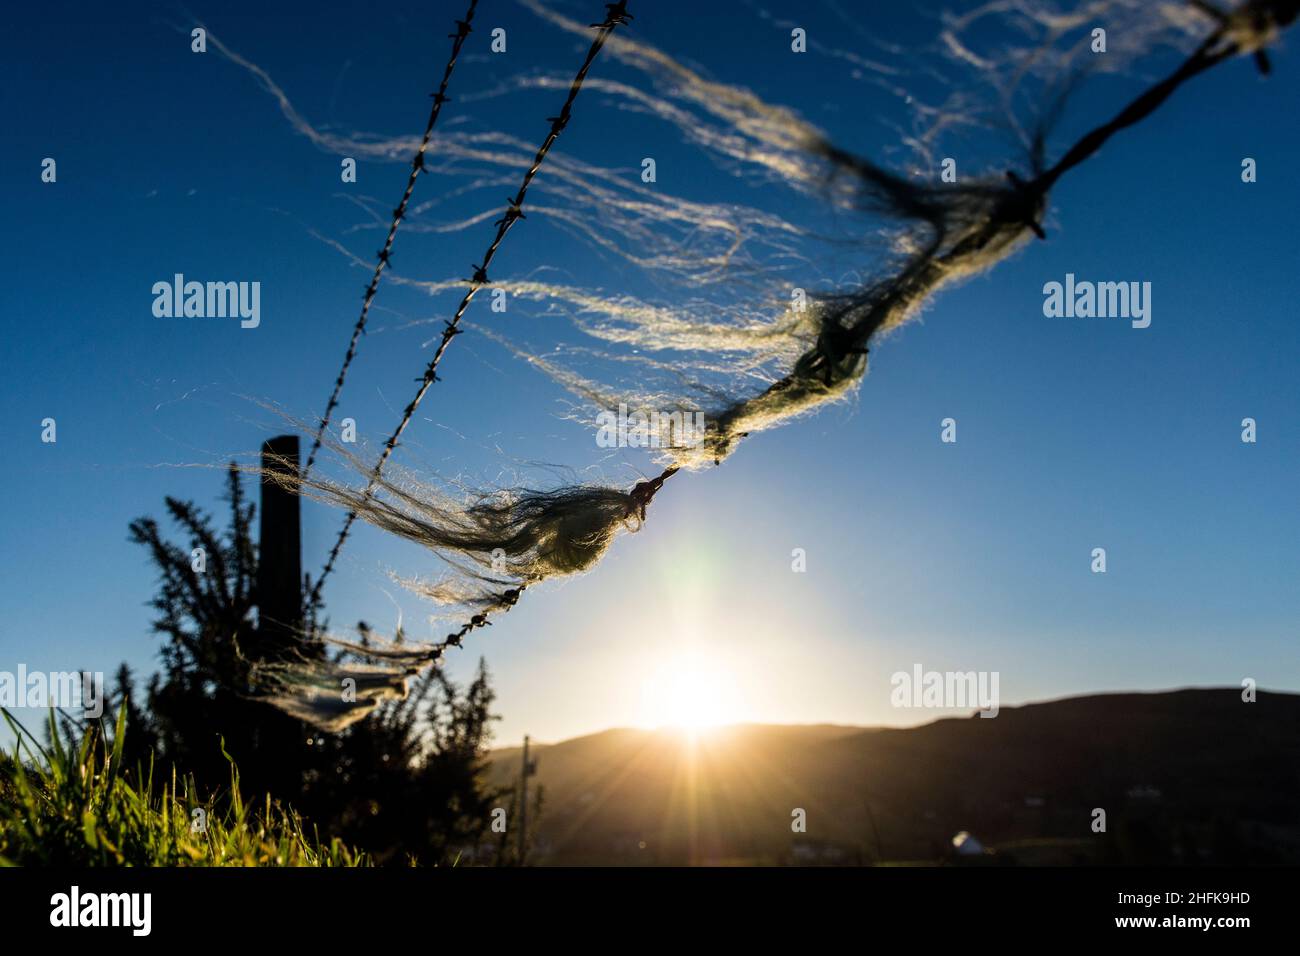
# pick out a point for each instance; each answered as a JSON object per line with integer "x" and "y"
{"x": 463, "y": 29}
{"x": 615, "y": 15}
{"x": 1241, "y": 31}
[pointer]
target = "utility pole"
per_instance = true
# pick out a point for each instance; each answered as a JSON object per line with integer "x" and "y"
{"x": 529, "y": 768}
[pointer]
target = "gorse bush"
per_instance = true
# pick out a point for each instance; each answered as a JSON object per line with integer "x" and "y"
{"x": 409, "y": 784}
{"x": 74, "y": 804}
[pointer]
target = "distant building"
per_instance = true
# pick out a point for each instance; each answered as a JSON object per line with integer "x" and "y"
{"x": 808, "y": 852}
{"x": 963, "y": 844}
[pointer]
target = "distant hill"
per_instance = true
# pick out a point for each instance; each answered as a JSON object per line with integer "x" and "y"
{"x": 1189, "y": 776}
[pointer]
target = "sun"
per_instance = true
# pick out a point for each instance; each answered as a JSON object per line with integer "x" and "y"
{"x": 690, "y": 692}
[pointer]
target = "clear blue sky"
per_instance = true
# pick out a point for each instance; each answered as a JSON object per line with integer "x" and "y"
{"x": 1072, "y": 433}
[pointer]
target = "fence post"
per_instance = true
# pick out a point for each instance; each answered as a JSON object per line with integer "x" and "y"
{"x": 528, "y": 770}
{"x": 279, "y": 566}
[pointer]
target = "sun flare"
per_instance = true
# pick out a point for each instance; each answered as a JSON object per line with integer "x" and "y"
{"x": 691, "y": 692}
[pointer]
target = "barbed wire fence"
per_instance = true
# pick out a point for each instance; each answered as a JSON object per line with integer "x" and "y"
{"x": 616, "y": 15}
{"x": 1246, "y": 30}
{"x": 463, "y": 29}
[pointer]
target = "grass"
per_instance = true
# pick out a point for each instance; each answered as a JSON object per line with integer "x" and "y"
{"x": 72, "y": 804}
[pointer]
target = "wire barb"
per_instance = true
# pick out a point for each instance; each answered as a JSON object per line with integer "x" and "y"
{"x": 615, "y": 15}
{"x": 643, "y": 491}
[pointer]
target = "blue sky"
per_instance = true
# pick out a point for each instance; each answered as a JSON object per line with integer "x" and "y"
{"x": 1072, "y": 433}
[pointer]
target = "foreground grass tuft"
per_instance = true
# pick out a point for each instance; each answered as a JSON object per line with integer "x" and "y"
{"x": 72, "y": 805}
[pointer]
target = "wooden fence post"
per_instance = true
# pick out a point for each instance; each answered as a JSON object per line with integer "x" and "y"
{"x": 279, "y": 567}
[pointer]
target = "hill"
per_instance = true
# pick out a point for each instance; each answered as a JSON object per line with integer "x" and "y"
{"x": 1188, "y": 776}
